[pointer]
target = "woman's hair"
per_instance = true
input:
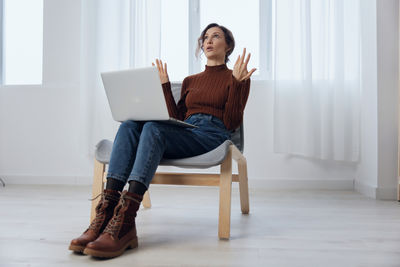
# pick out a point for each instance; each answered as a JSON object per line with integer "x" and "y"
{"x": 230, "y": 41}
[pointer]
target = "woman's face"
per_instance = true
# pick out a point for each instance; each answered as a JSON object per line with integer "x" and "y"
{"x": 214, "y": 45}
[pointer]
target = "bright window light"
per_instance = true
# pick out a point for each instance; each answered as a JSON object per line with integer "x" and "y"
{"x": 242, "y": 19}
{"x": 175, "y": 38}
{"x": 23, "y": 41}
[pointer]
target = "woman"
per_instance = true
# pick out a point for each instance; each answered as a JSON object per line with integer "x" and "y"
{"x": 214, "y": 100}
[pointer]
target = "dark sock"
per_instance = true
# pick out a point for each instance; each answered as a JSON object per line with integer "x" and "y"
{"x": 114, "y": 184}
{"x": 137, "y": 188}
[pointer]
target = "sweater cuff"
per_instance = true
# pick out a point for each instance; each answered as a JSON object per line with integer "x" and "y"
{"x": 166, "y": 86}
{"x": 238, "y": 84}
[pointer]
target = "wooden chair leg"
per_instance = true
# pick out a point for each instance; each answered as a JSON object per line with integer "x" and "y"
{"x": 146, "y": 200}
{"x": 225, "y": 190}
{"x": 243, "y": 186}
{"x": 97, "y": 187}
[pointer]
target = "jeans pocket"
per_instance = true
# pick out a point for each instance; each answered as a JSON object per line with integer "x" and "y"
{"x": 192, "y": 120}
{"x": 218, "y": 123}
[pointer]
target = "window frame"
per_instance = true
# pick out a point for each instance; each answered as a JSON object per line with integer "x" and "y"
{"x": 265, "y": 34}
{"x": 2, "y": 56}
{"x": 265, "y": 38}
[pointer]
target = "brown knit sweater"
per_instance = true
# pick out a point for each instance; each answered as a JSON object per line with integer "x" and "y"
{"x": 214, "y": 91}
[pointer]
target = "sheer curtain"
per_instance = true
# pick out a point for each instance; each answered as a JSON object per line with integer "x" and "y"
{"x": 316, "y": 74}
{"x": 115, "y": 35}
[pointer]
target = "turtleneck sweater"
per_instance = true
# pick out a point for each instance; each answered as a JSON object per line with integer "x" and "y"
{"x": 214, "y": 91}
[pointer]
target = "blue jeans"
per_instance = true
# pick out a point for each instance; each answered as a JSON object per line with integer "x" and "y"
{"x": 139, "y": 146}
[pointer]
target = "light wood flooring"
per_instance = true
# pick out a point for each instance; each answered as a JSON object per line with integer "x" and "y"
{"x": 284, "y": 228}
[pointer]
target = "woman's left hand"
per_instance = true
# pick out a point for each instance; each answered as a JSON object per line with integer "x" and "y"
{"x": 240, "y": 69}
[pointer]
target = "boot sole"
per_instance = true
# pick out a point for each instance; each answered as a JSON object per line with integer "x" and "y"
{"x": 111, "y": 254}
{"x": 76, "y": 248}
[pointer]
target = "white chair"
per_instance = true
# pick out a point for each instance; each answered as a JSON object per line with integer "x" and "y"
{"x": 222, "y": 156}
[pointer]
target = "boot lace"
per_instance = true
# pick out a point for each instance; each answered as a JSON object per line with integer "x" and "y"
{"x": 115, "y": 223}
{"x": 95, "y": 225}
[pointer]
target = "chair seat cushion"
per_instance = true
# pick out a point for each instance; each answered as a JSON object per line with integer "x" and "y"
{"x": 206, "y": 160}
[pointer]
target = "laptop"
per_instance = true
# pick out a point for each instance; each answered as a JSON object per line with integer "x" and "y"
{"x": 137, "y": 94}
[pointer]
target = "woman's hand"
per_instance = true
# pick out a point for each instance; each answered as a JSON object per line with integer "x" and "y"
{"x": 240, "y": 69}
{"x": 162, "y": 71}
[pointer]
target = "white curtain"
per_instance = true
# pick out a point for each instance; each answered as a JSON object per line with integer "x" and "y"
{"x": 116, "y": 35}
{"x": 316, "y": 73}
{"x": 147, "y": 32}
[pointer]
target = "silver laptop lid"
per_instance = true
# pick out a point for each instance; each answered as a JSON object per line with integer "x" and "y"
{"x": 135, "y": 94}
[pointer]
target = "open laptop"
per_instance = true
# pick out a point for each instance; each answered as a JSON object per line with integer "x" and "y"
{"x": 137, "y": 94}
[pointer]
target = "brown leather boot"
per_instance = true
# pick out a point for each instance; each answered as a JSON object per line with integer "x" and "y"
{"x": 120, "y": 232}
{"x": 104, "y": 212}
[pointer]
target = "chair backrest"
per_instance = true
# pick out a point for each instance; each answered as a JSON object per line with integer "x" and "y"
{"x": 237, "y": 136}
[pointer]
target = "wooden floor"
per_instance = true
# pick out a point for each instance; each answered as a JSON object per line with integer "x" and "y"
{"x": 284, "y": 228}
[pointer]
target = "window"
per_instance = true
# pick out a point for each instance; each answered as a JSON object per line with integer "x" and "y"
{"x": 182, "y": 22}
{"x": 242, "y": 19}
{"x": 175, "y": 38}
{"x": 22, "y": 42}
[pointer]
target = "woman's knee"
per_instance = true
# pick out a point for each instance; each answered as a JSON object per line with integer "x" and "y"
{"x": 152, "y": 127}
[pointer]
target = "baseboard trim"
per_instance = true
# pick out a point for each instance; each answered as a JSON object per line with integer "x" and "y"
{"x": 381, "y": 193}
{"x": 47, "y": 180}
{"x": 386, "y": 193}
{"x": 262, "y": 183}
{"x": 257, "y": 182}
{"x": 301, "y": 184}
{"x": 365, "y": 189}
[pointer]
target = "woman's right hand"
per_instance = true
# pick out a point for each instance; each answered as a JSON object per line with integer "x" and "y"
{"x": 162, "y": 71}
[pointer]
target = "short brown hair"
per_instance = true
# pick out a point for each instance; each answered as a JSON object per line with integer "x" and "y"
{"x": 230, "y": 41}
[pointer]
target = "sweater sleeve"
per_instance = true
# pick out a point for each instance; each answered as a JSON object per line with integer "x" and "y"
{"x": 177, "y": 111}
{"x": 234, "y": 107}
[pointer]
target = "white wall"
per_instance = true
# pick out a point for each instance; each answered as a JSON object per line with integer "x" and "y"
{"x": 388, "y": 96}
{"x": 43, "y": 137}
{"x": 377, "y": 171}
{"x": 367, "y": 171}
{"x": 39, "y": 134}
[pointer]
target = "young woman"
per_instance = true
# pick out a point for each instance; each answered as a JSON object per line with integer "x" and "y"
{"x": 214, "y": 100}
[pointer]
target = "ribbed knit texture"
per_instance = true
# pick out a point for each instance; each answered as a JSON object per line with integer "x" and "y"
{"x": 214, "y": 91}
